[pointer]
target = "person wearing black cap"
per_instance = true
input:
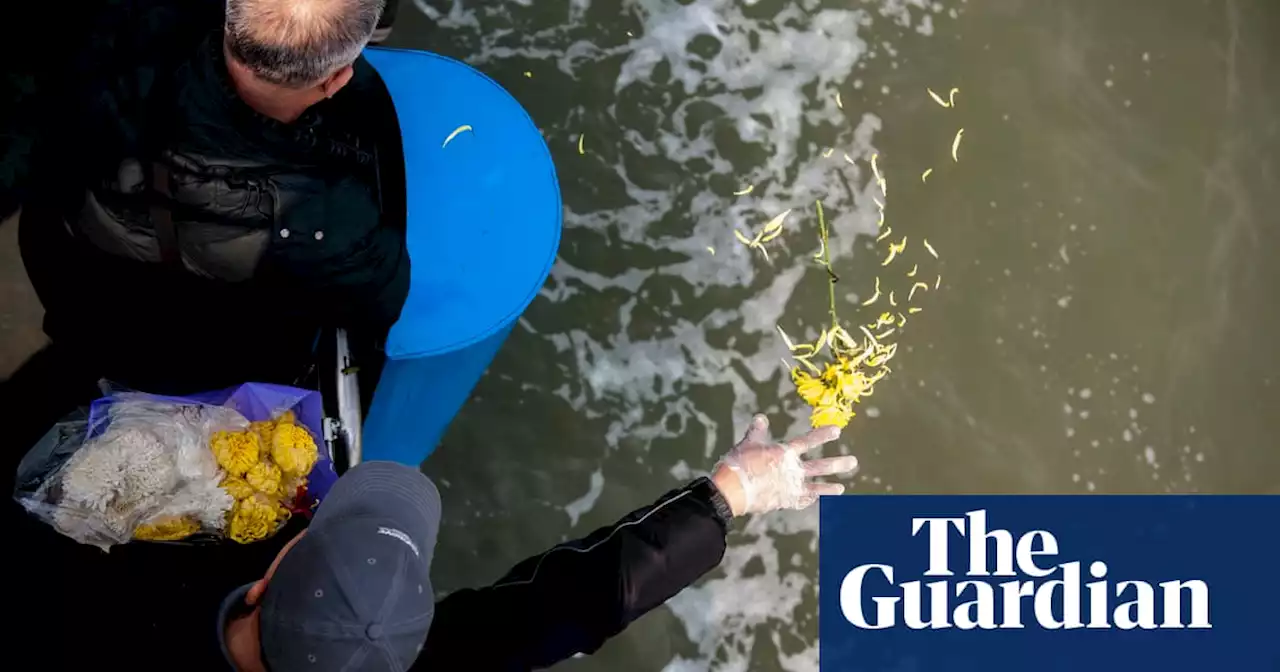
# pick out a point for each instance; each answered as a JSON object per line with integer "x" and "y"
{"x": 353, "y": 591}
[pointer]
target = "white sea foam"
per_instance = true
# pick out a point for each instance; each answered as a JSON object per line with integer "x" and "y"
{"x": 771, "y": 82}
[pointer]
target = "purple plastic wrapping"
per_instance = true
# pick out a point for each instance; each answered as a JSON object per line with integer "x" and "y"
{"x": 256, "y": 402}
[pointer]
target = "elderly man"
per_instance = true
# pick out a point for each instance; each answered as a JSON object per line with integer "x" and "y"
{"x": 210, "y": 185}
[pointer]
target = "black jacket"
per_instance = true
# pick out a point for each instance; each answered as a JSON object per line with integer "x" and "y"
{"x": 139, "y": 126}
{"x": 154, "y": 606}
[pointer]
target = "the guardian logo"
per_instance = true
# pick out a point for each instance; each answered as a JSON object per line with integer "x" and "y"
{"x": 1039, "y": 591}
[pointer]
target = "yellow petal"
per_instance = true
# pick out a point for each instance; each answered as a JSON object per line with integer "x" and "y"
{"x": 873, "y": 296}
{"x": 849, "y": 160}
{"x": 741, "y": 237}
{"x": 828, "y": 151}
{"x": 925, "y": 175}
{"x": 776, "y": 223}
{"x": 839, "y": 103}
{"x": 938, "y": 99}
{"x": 712, "y": 250}
{"x": 786, "y": 339}
{"x": 582, "y": 138}
{"x": 745, "y": 190}
{"x": 822, "y": 340}
{"x": 885, "y": 334}
{"x": 892, "y": 301}
{"x": 914, "y": 287}
{"x": 887, "y": 232}
{"x": 867, "y": 333}
{"x": 912, "y": 272}
{"x": 951, "y": 98}
{"x": 809, "y": 365}
{"x": 929, "y": 247}
{"x": 454, "y": 134}
{"x": 937, "y": 282}
{"x": 914, "y": 310}
{"x": 955, "y": 145}
{"x": 902, "y": 319}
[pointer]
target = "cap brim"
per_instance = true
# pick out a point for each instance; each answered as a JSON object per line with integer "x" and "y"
{"x": 387, "y": 491}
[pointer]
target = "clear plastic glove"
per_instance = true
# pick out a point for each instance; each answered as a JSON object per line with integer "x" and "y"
{"x": 759, "y": 476}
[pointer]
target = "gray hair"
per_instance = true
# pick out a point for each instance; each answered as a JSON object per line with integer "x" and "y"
{"x": 297, "y": 43}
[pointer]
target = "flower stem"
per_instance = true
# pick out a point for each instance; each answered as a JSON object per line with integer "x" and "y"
{"x": 826, "y": 262}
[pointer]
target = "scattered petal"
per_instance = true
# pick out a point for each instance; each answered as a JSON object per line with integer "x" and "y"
{"x": 925, "y": 175}
{"x": 902, "y": 319}
{"x": 885, "y": 234}
{"x": 745, "y": 190}
{"x": 892, "y": 301}
{"x": 914, "y": 287}
{"x": 528, "y": 74}
{"x": 937, "y": 282}
{"x": 951, "y": 98}
{"x": 828, "y": 152}
{"x": 875, "y": 296}
{"x": 849, "y": 160}
{"x": 867, "y": 333}
{"x": 786, "y": 339}
{"x": 775, "y": 224}
{"x": 929, "y": 247}
{"x": 912, "y": 273}
{"x": 894, "y": 250}
{"x": 914, "y": 310}
{"x": 955, "y": 146}
{"x": 581, "y": 138}
{"x": 937, "y": 99}
{"x": 839, "y": 103}
{"x": 741, "y": 237}
{"x": 878, "y": 203}
{"x": 712, "y": 250}
{"x": 454, "y": 134}
{"x": 885, "y": 334}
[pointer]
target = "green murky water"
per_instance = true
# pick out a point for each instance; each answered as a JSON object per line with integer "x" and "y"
{"x": 1106, "y": 320}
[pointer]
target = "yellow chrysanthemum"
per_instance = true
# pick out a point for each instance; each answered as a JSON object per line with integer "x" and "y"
{"x": 237, "y": 487}
{"x": 809, "y": 388}
{"x": 836, "y": 414}
{"x": 290, "y": 487}
{"x": 169, "y": 528}
{"x": 264, "y": 429}
{"x": 287, "y": 418}
{"x": 236, "y": 451}
{"x": 254, "y": 518}
{"x": 294, "y": 450}
{"x": 265, "y": 478}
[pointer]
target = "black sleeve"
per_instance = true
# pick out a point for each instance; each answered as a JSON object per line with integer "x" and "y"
{"x": 574, "y": 597}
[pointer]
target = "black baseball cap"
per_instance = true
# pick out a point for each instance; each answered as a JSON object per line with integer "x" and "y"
{"x": 354, "y": 593}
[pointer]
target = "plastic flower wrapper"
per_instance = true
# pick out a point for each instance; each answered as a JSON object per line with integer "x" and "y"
{"x": 139, "y": 466}
{"x": 96, "y": 478}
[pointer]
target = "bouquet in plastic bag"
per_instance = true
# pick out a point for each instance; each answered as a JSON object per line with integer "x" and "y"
{"x": 229, "y": 464}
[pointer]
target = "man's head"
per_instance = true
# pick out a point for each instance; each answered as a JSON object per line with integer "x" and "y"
{"x": 350, "y": 593}
{"x": 299, "y": 46}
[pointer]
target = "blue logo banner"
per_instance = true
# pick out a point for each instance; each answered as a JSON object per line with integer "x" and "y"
{"x": 1032, "y": 583}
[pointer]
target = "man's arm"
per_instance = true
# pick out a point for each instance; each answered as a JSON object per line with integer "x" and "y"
{"x": 574, "y": 597}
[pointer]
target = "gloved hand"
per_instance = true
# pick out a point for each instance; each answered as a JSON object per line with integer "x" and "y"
{"x": 759, "y": 475}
